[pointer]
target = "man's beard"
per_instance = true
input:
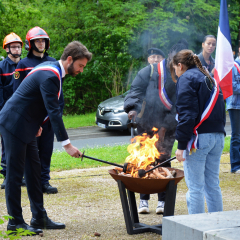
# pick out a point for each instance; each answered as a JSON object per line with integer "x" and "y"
{"x": 70, "y": 70}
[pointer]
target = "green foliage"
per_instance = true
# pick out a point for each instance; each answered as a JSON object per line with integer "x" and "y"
{"x": 13, "y": 234}
{"x": 18, "y": 16}
{"x": 117, "y": 32}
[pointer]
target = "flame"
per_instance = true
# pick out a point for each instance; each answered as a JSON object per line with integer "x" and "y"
{"x": 143, "y": 151}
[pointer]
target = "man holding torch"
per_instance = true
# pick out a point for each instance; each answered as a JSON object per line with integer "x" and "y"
{"x": 35, "y": 100}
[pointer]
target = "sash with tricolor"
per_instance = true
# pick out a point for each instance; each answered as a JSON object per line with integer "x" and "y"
{"x": 57, "y": 71}
{"x": 236, "y": 64}
{"x": 161, "y": 89}
{"x": 193, "y": 143}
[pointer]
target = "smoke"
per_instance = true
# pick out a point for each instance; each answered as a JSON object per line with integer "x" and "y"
{"x": 163, "y": 38}
{"x": 156, "y": 114}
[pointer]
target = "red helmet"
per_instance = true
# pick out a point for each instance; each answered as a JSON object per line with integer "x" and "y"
{"x": 11, "y": 38}
{"x": 36, "y": 33}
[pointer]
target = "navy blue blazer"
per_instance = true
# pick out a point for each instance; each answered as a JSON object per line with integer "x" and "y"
{"x": 193, "y": 91}
{"x": 35, "y": 98}
{"x": 25, "y": 65}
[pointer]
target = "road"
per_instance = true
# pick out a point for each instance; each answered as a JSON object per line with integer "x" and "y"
{"x": 88, "y": 137}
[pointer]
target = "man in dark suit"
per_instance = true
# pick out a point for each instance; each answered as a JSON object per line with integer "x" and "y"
{"x": 20, "y": 122}
{"x": 37, "y": 43}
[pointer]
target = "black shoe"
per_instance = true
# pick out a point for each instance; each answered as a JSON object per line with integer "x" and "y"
{"x": 46, "y": 223}
{"x": 23, "y": 183}
{"x": 47, "y": 188}
{"x": 25, "y": 227}
{"x": 3, "y": 184}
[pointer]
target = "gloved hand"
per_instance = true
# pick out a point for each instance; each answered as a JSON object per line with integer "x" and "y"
{"x": 132, "y": 114}
{"x": 161, "y": 134}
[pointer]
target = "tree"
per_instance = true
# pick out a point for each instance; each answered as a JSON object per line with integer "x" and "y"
{"x": 18, "y": 16}
{"x": 118, "y": 33}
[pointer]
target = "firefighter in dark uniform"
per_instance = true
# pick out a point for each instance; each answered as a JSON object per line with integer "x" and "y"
{"x": 37, "y": 42}
{"x": 151, "y": 107}
{"x": 12, "y": 43}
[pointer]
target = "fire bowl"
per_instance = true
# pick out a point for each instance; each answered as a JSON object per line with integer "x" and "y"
{"x": 146, "y": 186}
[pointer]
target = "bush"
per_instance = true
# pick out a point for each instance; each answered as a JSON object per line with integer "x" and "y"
{"x": 13, "y": 234}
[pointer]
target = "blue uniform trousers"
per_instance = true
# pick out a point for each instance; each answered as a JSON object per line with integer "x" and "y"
{"x": 45, "y": 149}
{"x": 3, "y": 160}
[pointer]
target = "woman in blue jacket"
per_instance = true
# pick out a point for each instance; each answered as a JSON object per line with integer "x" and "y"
{"x": 200, "y": 131}
{"x": 233, "y": 107}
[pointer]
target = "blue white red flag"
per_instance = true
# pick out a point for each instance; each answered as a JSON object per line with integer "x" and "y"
{"x": 54, "y": 69}
{"x": 224, "y": 56}
{"x": 237, "y": 66}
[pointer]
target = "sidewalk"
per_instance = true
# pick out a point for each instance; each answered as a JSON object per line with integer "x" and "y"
{"x": 227, "y": 119}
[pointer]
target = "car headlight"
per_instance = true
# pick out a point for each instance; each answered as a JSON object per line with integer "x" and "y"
{"x": 118, "y": 110}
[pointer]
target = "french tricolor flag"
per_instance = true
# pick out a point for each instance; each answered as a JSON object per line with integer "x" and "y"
{"x": 224, "y": 56}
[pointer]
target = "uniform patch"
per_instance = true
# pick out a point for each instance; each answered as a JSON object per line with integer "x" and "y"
{"x": 16, "y": 75}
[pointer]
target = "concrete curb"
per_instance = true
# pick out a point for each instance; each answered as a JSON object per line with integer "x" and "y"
{"x": 206, "y": 226}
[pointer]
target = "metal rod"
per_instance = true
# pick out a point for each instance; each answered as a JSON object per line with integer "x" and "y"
{"x": 99, "y": 160}
{"x": 142, "y": 172}
{"x": 132, "y": 134}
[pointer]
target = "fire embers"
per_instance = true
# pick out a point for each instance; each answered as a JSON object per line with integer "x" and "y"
{"x": 158, "y": 173}
{"x": 143, "y": 153}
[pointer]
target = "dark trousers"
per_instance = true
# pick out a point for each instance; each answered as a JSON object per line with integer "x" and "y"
{"x": 3, "y": 160}
{"x": 22, "y": 157}
{"x": 166, "y": 148}
{"x": 45, "y": 149}
{"x": 234, "y": 115}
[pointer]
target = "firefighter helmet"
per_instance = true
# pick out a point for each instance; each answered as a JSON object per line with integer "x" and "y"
{"x": 35, "y": 33}
{"x": 11, "y": 38}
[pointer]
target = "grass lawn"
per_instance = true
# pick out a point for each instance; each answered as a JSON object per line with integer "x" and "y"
{"x": 75, "y": 121}
{"x": 117, "y": 154}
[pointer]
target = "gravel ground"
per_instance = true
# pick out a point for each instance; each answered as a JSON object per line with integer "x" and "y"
{"x": 88, "y": 202}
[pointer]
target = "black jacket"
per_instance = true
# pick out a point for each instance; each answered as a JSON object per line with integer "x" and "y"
{"x": 35, "y": 98}
{"x": 145, "y": 88}
{"x": 7, "y": 69}
{"x": 193, "y": 92}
